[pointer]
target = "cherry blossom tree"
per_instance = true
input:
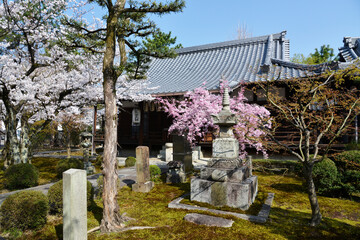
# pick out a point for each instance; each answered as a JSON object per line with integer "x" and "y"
{"x": 39, "y": 76}
{"x": 192, "y": 117}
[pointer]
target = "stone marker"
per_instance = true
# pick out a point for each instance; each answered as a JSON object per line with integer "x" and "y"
{"x": 74, "y": 205}
{"x": 143, "y": 183}
{"x": 207, "y": 220}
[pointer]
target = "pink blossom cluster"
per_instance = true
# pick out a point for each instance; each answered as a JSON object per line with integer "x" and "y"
{"x": 192, "y": 117}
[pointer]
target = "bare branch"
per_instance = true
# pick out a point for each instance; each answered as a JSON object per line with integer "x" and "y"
{"x": 327, "y": 81}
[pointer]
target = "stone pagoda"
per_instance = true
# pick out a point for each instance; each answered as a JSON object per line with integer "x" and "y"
{"x": 226, "y": 180}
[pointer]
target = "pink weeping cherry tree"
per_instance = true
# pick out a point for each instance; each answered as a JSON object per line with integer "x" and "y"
{"x": 192, "y": 117}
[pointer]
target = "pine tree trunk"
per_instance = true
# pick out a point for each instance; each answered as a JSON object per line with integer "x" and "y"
{"x": 310, "y": 186}
{"x": 112, "y": 220}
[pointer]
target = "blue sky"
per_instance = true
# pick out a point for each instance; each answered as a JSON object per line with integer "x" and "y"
{"x": 309, "y": 23}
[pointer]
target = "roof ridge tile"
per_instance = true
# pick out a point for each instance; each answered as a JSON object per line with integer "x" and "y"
{"x": 276, "y": 36}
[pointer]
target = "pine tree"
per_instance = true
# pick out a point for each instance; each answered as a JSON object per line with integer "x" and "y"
{"x": 128, "y": 30}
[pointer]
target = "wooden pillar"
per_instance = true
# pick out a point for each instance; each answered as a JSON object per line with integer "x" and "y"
{"x": 141, "y": 133}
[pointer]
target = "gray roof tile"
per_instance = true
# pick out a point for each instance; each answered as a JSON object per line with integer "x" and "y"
{"x": 238, "y": 61}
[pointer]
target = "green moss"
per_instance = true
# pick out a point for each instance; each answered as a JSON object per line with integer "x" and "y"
{"x": 46, "y": 167}
{"x": 289, "y": 216}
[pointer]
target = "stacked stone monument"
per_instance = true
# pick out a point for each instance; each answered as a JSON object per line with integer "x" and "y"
{"x": 226, "y": 180}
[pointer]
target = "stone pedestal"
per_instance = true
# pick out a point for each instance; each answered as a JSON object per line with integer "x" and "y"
{"x": 224, "y": 193}
{"x": 143, "y": 183}
{"x": 227, "y": 180}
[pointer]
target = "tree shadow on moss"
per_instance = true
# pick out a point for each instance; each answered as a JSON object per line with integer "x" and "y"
{"x": 185, "y": 187}
{"x": 59, "y": 231}
{"x": 295, "y": 225}
{"x": 97, "y": 211}
{"x": 288, "y": 187}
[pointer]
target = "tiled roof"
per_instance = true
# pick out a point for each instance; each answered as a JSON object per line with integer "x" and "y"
{"x": 236, "y": 61}
{"x": 239, "y": 61}
{"x": 281, "y": 69}
{"x": 286, "y": 70}
{"x": 351, "y": 49}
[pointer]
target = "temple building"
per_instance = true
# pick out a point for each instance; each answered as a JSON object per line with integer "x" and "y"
{"x": 239, "y": 62}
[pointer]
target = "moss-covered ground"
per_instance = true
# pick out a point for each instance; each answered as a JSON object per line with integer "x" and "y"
{"x": 288, "y": 219}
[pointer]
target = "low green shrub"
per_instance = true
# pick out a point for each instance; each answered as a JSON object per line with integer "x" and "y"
{"x": 24, "y": 210}
{"x": 55, "y": 195}
{"x": 348, "y": 160}
{"x": 65, "y": 164}
{"x": 22, "y": 175}
{"x": 130, "y": 161}
{"x": 352, "y": 146}
{"x": 348, "y": 164}
{"x": 155, "y": 173}
{"x": 326, "y": 178}
{"x": 350, "y": 183}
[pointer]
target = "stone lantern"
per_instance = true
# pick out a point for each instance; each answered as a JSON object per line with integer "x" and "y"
{"x": 86, "y": 143}
{"x": 226, "y": 180}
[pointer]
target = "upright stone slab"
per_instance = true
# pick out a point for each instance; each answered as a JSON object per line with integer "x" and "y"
{"x": 143, "y": 183}
{"x": 74, "y": 205}
{"x": 182, "y": 152}
{"x": 226, "y": 181}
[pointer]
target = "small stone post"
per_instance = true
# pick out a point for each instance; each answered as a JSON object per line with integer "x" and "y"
{"x": 168, "y": 152}
{"x": 143, "y": 183}
{"x": 74, "y": 205}
{"x": 249, "y": 164}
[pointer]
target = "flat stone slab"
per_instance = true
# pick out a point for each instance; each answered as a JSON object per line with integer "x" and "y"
{"x": 202, "y": 219}
{"x": 260, "y": 218}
